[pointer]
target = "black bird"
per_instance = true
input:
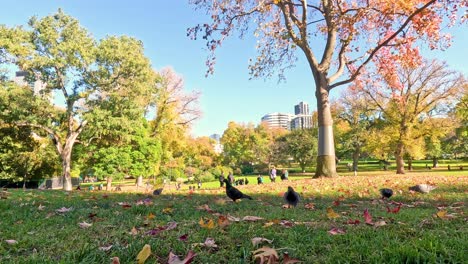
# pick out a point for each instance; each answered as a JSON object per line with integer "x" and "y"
{"x": 291, "y": 197}
{"x": 234, "y": 193}
{"x": 386, "y": 193}
{"x": 157, "y": 191}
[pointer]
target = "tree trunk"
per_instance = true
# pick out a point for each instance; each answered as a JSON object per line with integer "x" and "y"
{"x": 326, "y": 163}
{"x": 400, "y": 164}
{"x": 356, "y": 158}
{"x": 109, "y": 184}
{"x": 410, "y": 164}
{"x": 66, "y": 168}
{"x": 435, "y": 162}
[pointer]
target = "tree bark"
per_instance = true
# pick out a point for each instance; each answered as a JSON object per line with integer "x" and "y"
{"x": 410, "y": 164}
{"x": 356, "y": 158}
{"x": 400, "y": 164}
{"x": 435, "y": 162}
{"x": 109, "y": 184}
{"x": 326, "y": 163}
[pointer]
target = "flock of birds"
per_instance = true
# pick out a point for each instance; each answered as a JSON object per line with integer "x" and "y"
{"x": 292, "y": 198}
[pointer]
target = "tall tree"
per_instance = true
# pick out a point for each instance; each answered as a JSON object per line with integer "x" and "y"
{"x": 410, "y": 97}
{"x": 301, "y": 145}
{"x": 61, "y": 54}
{"x": 337, "y": 38}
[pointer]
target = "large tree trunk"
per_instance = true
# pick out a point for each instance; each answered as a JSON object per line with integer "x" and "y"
{"x": 66, "y": 168}
{"x": 356, "y": 158}
{"x": 326, "y": 163}
{"x": 400, "y": 164}
{"x": 435, "y": 162}
{"x": 410, "y": 163}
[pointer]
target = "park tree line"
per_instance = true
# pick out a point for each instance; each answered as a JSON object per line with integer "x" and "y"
{"x": 104, "y": 111}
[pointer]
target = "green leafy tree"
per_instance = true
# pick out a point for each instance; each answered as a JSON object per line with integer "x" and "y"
{"x": 301, "y": 145}
{"x": 63, "y": 56}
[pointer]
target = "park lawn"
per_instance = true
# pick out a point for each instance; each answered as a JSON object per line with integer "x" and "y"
{"x": 428, "y": 228}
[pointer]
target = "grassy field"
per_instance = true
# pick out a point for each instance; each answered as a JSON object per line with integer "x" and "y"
{"x": 328, "y": 225}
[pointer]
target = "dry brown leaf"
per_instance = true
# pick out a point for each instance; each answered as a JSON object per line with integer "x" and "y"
{"x": 84, "y": 225}
{"x": 223, "y": 221}
{"x": 115, "y": 260}
{"x": 266, "y": 255}
{"x": 336, "y": 231}
{"x": 257, "y": 240}
{"x": 310, "y": 206}
{"x": 134, "y": 231}
{"x": 380, "y": 223}
{"x": 251, "y": 218}
{"x": 106, "y": 248}
{"x": 288, "y": 260}
{"x": 174, "y": 259}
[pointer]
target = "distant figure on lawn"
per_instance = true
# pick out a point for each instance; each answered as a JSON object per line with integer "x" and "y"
{"x": 273, "y": 174}
{"x": 221, "y": 180}
{"x": 246, "y": 181}
{"x": 259, "y": 179}
{"x": 284, "y": 175}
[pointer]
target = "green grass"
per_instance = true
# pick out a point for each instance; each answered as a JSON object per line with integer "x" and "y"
{"x": 414, "y": 235}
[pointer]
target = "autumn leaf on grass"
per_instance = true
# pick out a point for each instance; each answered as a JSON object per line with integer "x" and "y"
{"x": 104, "y": 248}
{"x": 310, "y": 206}
{"x": 379, "y": 223}
{"x": 393, "y": 210}
{"x": 183, "y": 237}
{"x": 442, "y": 214}
{"x": 209, "y": 244}
{"x": 134, "y": 231}
{"x": 289, "y": 260}
{"x": 367, "y": 217}
{"x": 353, "y": 222}
{"x": 84, "y": 225}
{"x": 40, "y": 207}
{"x": 336, "y": 231}
{"x": 115, "y": 260}
{"x": 331, "y": 214}
{"x": 124, "y": 205}
{"x": 11, "y": 241}
{"x": 223, "y": 221}
{"x": 206, "y": 223}
{"x": 251, "y": 218}
{"x": 174, "y": 259}
{"x": 336, "y": 202}
{"x": 266, "y": 255}
{"x": 158, "y": 230}
{"x": 233, "y": 218}
{"x": 167, "y": 210}
{"x": 257, "y": 240}
{"x": 286, "y": 223}
{"x": 64, "y": 210}
{"x": 205, "y": 207}
{"x": 144, "y": 254}
{"x": 150, "y": 216}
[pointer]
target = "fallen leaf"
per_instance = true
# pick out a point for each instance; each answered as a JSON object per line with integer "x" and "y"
{"x": 11, "y": 241}
{"x": 150, "y": 216}
{"x": 40, "y": 207}
{"x": 367, "y": 217}
{"x": 183, "y": 237}
{"x": 380, "y": 223}
{"x": 167, "y": 210}
{"x": 393, "y": 210}
{"x": 223, "y": 221}
{"x": 310, "y": 206}
{"x": 206, "y": 223}
{"x": 209, "y": 243}
{"x": 64, "y": 210}
{"x": 251, "y": 218}
{"x": 84, "y": 225}
{"x": 205, "y": 207}
{"x": 134, "y": 231}
{"x": 174, "y": 259}
{"x": 336, "y": 231}
{"x": 268, "y": 224}
{"x": 232, "y": 218}
{"x": 331, "y": 214}
{"x": 266, "y": 255}
{"x": 289, "y": 260}
{"x": 106, "y": 248}
{"x": 144, "y": 254}
{"x": 443, "y": 214}
{"x": 115, "y": 260}
{"x": 286, "y": 223}
{"x": 353, "y": 222}
{"x": 257, "y": 240}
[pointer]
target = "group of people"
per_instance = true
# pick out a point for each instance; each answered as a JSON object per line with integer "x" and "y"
{"x": 284, "y": 176}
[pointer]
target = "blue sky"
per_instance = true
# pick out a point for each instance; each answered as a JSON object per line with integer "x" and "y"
{"x": 228, "y": 95}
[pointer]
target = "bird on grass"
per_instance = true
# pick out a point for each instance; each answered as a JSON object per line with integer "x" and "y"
{"x": 234, "y": 193}
{"x": 386, "y": 193}
{"x": 422, "y": 188}
{"x": 291, "y": 197}
{"x": 157, "y": 191}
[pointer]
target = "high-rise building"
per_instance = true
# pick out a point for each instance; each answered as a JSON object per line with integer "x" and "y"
{"x": 20, "y": 79}
{"x": 302, "y": 119}
{"x": 278, "y": 120}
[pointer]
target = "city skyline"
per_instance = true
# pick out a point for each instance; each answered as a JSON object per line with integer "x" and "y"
{"x": 229, "y": 94}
